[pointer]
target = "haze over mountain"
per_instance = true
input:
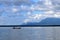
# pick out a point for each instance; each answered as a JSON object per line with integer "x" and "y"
{"x": 47, "y": 21}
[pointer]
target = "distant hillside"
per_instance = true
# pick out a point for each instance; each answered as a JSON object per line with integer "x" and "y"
{"x": 47, "y": 21}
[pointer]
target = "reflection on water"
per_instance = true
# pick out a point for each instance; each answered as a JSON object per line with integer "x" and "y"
{"x": 30, "y": 33}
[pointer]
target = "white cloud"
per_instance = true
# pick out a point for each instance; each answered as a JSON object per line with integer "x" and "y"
{"x": 48, "y": 2}
{"x": 49, "y": 12}
{"x": 14, "y": 9}
{"x": 32, "y": 8}
{"x": 28, "y": 13}
{"x": 37, "y": 16}
{"x": 56, "y": 16}
{"x": 26, "y": 20}
{"x": 34, "y": 18}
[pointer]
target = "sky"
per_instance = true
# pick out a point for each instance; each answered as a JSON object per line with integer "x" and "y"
{"x": 17, "y": 15}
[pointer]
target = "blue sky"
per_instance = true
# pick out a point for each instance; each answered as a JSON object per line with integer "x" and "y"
{"x": 17, "y": 15}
